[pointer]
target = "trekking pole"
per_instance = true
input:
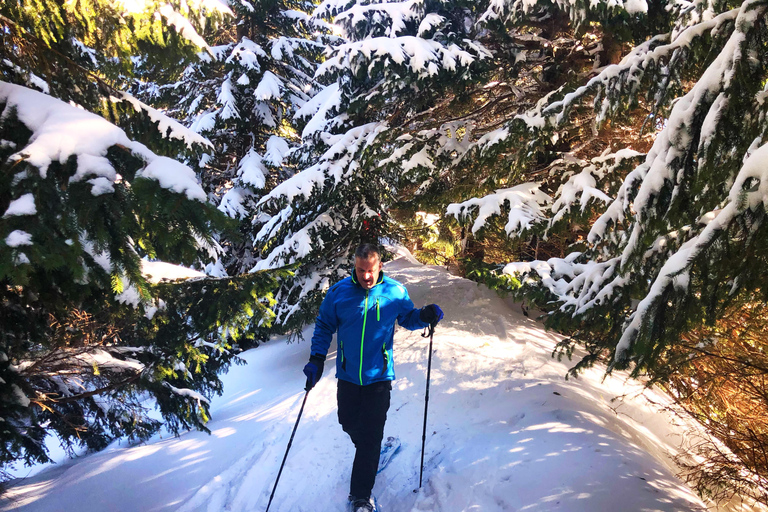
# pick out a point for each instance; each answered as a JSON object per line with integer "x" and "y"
{"x": 426, "y": 399}
{"x": 290, "y": 442}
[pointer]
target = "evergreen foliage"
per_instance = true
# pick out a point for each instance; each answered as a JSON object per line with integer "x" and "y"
{"x": 717, "y": 375}
{"x": 662, "y": 238}
{"x": 660, "y": 257}
{"x": 245, "y": 96}
{"x": 91, "y": 343}
{"x": 86, "y": 338}
{"x": 90, "y": 52}
{"x": 395, "y": 62}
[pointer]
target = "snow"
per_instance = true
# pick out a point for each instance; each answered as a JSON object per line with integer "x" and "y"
{"x": 24, "y": 205}
{"x": 423, "y": 57}
{"x": 295, "y": 245}
{"x": 429, "y": 22}
{"x": 579, "y": 188}
{"x": 92, "y": 165}
{"x": 158, "y": 271}
{"x": 232, "y": 202}
{"x": 154, "y": 272}
{"x": 205, "y": 122}
{"x": 399, "y": 13}
{"x": 636, "y": 6}
{"x": 506, "y": 431}
{"x": 508, "y": 10}
{"x": 18, "y": 238}
{"x": 524, "y": 202}
{"x": 187, "y": 392}
{"x": 175, "y": 176}
{"x": 269, "y": 88}
{"x": 277, "y": 147}
{"x": 60, "y": 131}
{"x": 129, "y": 296}
{"x": 184, "y": 27}
{"x": 318, "y": 107}
{"x": 493, "y": 138}
{"x": 247, "y": 53}
{"x": 19, "y": 395}
{"x": 282, "y": 48}
{"x": 252, "y": 170}
{"x": 332, "y": 164}
{"x": 103, "y": 359}
{"x": 167, "y": 126}
{"x": 420, "y": 159}
{"x": 101, "y": 185}
{"x": 226, "y": 98}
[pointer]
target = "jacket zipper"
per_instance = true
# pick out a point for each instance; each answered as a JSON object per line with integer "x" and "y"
{"x": 384, "y": 346}
{"x": 362, "y": 337}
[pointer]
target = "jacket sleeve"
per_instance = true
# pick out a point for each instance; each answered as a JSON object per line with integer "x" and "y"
{"x": 325, "y": 326}
{"x": 409, "y": 315}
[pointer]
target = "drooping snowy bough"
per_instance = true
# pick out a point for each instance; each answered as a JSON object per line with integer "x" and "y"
{"x": 683, "y": 230}
{"x": 89, "y": 329}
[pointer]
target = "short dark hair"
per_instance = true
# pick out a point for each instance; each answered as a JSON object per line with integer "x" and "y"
{"x": 366, "y": 251}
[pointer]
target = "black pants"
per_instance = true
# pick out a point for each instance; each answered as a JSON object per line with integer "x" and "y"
{"x": 362, "y": 414}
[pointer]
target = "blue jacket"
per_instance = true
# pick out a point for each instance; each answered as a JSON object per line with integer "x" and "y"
{"x": 365, "y": 321}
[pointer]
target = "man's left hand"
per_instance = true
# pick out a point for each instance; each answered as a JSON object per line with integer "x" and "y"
{"x": 431, "y": 314}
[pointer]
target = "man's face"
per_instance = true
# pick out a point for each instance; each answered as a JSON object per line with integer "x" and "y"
{"x": 367, "y": 271}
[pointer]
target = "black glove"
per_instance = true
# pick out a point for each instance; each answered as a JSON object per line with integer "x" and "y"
{"x": 314, "y": 370}
{"x": 431, "y": 314}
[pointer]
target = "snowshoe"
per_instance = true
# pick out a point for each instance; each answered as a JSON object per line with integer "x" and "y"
{"x": 364, "y": 505}
{"x": 388, "y": 450}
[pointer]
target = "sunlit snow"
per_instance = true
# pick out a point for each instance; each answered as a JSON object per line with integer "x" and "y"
{"x": 506, "y": 431}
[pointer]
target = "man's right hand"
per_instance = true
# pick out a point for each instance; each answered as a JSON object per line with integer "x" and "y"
{"x": 313, "y": 370}
{"x": 431, "y": 314}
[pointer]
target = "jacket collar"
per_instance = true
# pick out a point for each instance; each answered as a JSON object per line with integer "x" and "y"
{"x": 380, "y": 280}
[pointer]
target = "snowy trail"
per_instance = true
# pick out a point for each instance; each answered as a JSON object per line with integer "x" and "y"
{"x": 506, "y": 431}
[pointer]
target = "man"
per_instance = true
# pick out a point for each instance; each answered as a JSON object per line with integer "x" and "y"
{"x": 363, "y": 309}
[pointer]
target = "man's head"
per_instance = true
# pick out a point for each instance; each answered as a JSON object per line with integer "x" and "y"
{"x": 367, "y": 265}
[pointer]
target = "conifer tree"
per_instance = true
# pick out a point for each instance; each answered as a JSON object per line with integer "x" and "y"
{"x": 670, "y": 233}
{"x": 244, "y": 96}
{"x": 394, "y": 62}
{"x": 90, "y": 331}
{"x": 660, "y": 254}
{"x": 90, "y": 53}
